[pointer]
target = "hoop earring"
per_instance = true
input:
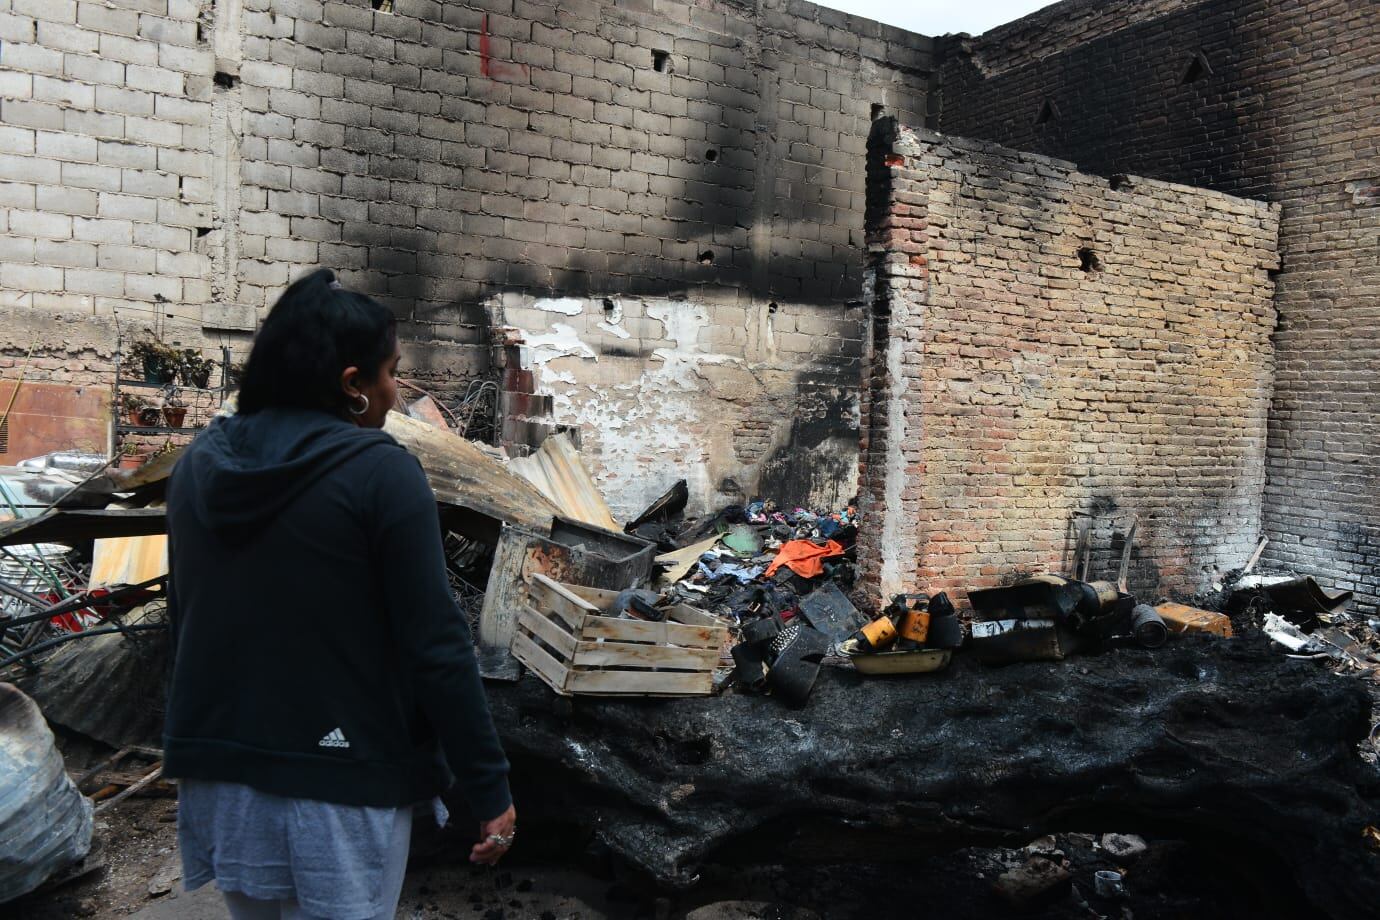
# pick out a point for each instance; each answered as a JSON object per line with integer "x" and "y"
{"x": 354, "y": 411}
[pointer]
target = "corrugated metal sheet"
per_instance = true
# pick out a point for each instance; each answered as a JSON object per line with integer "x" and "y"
{"x": 556, "y": 470}
{"x": 464, "y": 476}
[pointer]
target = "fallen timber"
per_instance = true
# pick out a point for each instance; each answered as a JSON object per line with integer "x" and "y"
{"x": 1225, "y": 743}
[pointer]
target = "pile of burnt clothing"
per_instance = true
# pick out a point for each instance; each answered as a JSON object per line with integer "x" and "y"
{"x": 798, "y": 550}
{"x": 777, "y": 575}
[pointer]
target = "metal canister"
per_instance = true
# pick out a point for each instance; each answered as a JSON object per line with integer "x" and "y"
{"x": 1148, "y": 626}
{"x": 915, "y": 626}
{"x": 878, "y": 634}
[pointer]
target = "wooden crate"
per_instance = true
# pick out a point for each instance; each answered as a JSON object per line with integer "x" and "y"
{"x": 563, "y": 638}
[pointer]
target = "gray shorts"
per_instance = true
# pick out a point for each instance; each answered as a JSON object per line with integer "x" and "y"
{"x": 277, "y": 857}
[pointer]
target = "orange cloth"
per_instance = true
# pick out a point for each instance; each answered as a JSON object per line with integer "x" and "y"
{"x": 804, "y": 558}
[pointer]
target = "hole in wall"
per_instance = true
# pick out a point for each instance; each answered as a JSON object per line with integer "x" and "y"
{"x": 661, "y": 61}
{"x": 608, "y": 307}
{"x": 200, "y": 33}
{"x": 202, "y": 231}
{"x": 771, "y": 308}
{"x": 1088, "y": 260}
{"x": 878, "y": 111}
{"x": 1120, "y": 181}
{"x": 382, "y": 6}
{"x": 707, "y": 257}
{"x": 895, "y": 159}
{"x": 225, "y": 80}
{"x": 1196, "y": 69}
{"x": 711, "y": 154}
{"x": 1047, "y": 112}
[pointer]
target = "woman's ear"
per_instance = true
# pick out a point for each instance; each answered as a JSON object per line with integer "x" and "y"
{"x": 349, "y": 381}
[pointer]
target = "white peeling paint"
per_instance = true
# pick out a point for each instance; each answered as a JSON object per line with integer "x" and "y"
{"x": 566, "y": 305}
{"x": 562, "y": 341}
{"x": 649, "y": 418}
{"x": 615, "y": 330}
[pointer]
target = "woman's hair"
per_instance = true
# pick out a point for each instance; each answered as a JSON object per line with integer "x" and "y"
{"x": 315, "y": 331}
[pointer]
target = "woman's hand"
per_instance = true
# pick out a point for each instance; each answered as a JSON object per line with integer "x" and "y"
{"x": 496, "y": 837}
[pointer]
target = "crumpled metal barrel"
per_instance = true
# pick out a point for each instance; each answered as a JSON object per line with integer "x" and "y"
{"x": 45, "y": 823}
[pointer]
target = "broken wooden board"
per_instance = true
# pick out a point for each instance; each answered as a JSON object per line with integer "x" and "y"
{"x": 519, "y": 554}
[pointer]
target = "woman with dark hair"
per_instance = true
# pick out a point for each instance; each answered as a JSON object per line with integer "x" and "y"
{"x": 324, "y": 682}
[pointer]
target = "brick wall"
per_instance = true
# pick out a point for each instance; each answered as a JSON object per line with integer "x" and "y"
{"x": 1048, "y": 343}
{"x": 1265, "y": 100}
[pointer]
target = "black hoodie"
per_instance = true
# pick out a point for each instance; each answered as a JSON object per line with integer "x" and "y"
{"x": 319, "y": 652}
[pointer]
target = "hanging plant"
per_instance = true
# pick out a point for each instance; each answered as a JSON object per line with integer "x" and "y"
{"x": 160, "y": 362}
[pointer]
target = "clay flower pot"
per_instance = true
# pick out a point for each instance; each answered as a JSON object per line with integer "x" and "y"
{"x": 174, "y": 415}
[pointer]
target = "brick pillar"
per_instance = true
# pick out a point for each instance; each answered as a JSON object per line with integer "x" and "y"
{"x": 889, "y": 458}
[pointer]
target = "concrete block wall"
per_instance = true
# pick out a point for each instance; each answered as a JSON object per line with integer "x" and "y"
{"x": 104, "y": 177}
{"x": 1048, "y": 343}
{"x": 184, "y": 159}
{"x": 467, "y": 161}
{"x": 1275, "y": 101}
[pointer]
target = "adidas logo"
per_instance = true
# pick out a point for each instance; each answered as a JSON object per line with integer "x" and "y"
{"x": 334, "y": 739}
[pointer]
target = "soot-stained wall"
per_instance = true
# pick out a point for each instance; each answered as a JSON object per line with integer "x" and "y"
{"x": 1046, "y": 343}
{"x": 701, "y": 166}
{"x": 186, "y": 158}
{"x": 737, "y": 401}
{"x": 1268, "y": 100}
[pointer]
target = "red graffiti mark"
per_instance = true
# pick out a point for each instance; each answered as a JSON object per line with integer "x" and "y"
{"x": 497, "y": 70}
{"x": 484, "y": 47}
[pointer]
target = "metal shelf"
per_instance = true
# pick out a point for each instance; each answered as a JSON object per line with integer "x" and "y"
{"x": 158, "y": 429}
{"x": 163, "y": 386}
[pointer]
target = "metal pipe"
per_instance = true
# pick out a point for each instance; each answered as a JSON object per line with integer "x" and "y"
{"x": 52, "y": 643}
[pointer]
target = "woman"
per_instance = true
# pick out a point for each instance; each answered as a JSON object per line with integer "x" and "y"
{"x": 321, "y": 669}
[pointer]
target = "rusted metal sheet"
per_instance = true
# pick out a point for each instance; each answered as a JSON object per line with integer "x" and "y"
{"x": 557, "y": 472}
{"x": 48, "y": 417}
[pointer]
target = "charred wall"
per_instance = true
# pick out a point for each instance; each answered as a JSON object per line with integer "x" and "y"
{"x": 187, "y": 159}
{"x": 1057, "y": 344}
{"x": 696, "y": 167}
{"x": 1266, "y": 100}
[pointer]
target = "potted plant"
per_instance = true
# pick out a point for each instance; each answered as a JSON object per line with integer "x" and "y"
{"x": 194, "y": 370}
{"x": 140, "y": 410}
{"x": 174, "y": 409}
{"x": 130, "y": 404}
{"x": 131, "y": 456}
{"x": 160, "y": 362}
